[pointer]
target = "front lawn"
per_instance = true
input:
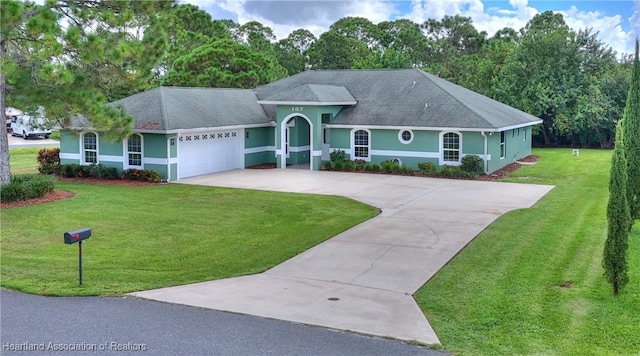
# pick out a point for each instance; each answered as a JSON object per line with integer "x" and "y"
{"x": 158, "y": 236}
{"x": 24, "y": 160}
{"x": 532, "y": 282}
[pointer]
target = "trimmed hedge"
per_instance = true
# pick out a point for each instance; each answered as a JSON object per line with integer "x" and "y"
{"x": 74, "y": 170}
{"x": 25, "y": 187}
{"x": 425, "y": 169}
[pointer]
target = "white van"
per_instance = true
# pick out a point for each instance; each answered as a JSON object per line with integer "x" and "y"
{"x": 29, "y": 126}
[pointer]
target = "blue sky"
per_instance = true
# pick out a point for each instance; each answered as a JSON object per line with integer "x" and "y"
{"x": 617, "y": 22}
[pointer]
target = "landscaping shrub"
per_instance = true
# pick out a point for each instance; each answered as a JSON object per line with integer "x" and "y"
{"x": 349, "y": 166}
{"x": 375, "y": 167}
{"x": 49, "y": 160}
{"x": 456, "y": 172}
{"x": 143, "y": 175}
{"x": 390, "y": 166}
{"x": 337, "y": 156}
{"x": 427, "y": 167}
{"x": 102, "y": 172}
{"x": 406, "y": 170}
{"x": 472, "y": 164}
{"x": 72, "y": 170}
{"x": 328, "y": 165}
{"x": 338, "y": 165}
{"x": 25, "y": 187}
{"x": 359, "y": 164}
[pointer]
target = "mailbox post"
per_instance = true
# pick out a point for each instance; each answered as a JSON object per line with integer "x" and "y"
{"x": 74, "y": 236}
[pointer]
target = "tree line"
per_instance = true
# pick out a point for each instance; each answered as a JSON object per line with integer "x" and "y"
{"x": 570, "y": 79}
{"x": 73, "y": 56}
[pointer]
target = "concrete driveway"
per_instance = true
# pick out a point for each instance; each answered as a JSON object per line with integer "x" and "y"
{"x": 363, "y": 279}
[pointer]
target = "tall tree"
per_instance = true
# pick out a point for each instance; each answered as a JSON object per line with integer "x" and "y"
{"x": 351, "y": 42}
{"x": 403, "y": 39}
{"x": 592, "y": 114}
{"x": 543, "y": 75}
{"x": 189, "y": 27}
{"x": 224, "y": 64}
{"x": 631, "y": 132}
{"x": 619, "y": 219}
{"x": 71, "y": 57}
{"x": 451, "y": 39}
{"x": 292, "y": 52}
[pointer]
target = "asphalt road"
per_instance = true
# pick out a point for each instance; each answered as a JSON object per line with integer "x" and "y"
{"x": 131, "y": 326}
{"x": 16, "y": 142}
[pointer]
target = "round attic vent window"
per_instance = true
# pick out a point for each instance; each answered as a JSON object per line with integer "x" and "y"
{"x": 405, "y": 136}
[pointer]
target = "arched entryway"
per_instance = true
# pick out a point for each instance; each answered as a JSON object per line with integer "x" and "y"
{"x": 296, "y": 142}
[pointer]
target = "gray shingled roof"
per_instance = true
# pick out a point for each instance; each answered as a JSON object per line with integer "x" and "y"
{"x": 406, "y": 97}
{"x": 173, "y": 108}
{"x": 314, "y": 94}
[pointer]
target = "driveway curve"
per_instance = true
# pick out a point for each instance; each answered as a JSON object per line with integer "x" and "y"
{"x": 363, "y": 279}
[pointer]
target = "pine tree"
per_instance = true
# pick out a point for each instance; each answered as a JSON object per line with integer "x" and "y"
{"x": 631, "y": 133}
{"x": 71, "y": 57}
{"x": 619, "y": 219}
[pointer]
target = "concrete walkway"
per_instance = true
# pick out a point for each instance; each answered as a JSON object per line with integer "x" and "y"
{"x": 362, "y": 280}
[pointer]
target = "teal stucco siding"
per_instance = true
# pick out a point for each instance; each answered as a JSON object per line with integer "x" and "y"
{"x": 259, "y": 144}
{"x": 517, "y": 145}
{"x": 113, "y": 153}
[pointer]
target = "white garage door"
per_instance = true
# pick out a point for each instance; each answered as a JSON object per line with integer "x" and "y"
{"x": 209, "y": 152}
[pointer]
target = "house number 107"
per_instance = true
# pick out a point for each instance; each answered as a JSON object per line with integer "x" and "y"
{"x": 297, "y": 108}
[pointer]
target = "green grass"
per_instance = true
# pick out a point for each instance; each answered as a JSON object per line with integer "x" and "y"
{"x": 24, "y": 160}
{"x": 157, "y": 236}
{"x": 503, "y": 294}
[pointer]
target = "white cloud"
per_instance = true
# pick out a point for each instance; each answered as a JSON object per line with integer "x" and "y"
{"x": 609, "y": 27}
{"x": 490, "y": 20}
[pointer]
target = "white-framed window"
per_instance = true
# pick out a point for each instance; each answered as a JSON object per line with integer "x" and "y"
{"x": 361, "y": 144}
{"x": 451, "y": 148}
{"x": 502, "y": 146}
{"x": 405, "y": 136}
{"x": 134, "y": 150}
{"x": 89, "y": 148}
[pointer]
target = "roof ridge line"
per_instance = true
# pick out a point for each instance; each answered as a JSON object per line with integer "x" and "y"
{"x": 163, "y": 108}
{"x": 313, "y": 92}
{"x": 455, "y": 98}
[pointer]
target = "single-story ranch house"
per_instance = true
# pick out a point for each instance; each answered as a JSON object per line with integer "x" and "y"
{"x": 374, "y": 115}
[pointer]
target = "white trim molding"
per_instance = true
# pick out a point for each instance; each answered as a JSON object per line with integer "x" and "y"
{"x": 431, "y": 128}
{"x": 307, "y": 103}
{"x": 317, "y": 153}
{"x": 414, "y": 154}
{"x": 259, "y": 149}
{"x": 64, "y": 155}
{"x": 299, "y": 148}
{"x": 107, "y": 158}
{"x": 153, "y": 160}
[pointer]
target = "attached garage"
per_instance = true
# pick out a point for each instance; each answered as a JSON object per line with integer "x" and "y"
{"x": 209, "y": 152}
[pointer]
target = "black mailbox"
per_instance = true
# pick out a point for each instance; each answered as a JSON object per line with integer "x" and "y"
{"x": 77, "y": 235}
